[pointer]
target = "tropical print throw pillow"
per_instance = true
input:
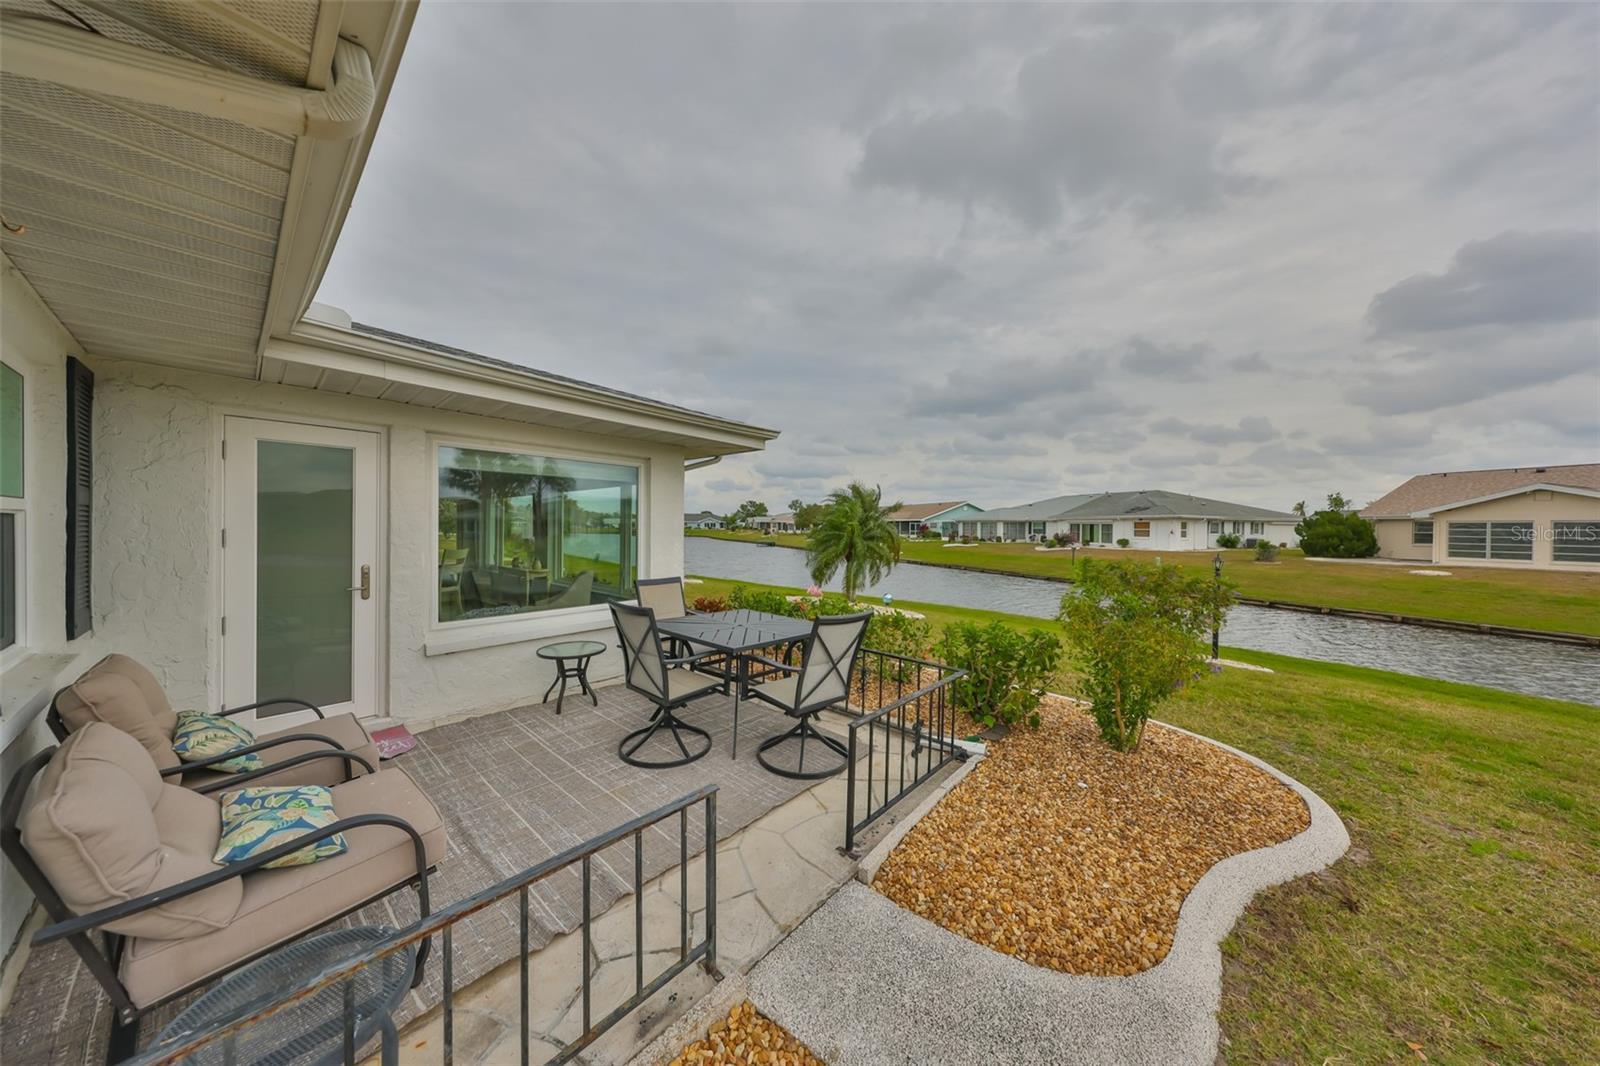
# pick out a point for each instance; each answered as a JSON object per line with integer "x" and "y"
{"x": 200, "y": 735}
{"x": 256, "y": 819}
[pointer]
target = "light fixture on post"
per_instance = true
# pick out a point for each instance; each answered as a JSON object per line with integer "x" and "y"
{"x": 1216, "y": 636}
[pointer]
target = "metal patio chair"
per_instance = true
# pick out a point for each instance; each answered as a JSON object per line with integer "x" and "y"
{"x": 665, "y": 681}
{"x": 822, "y": 680}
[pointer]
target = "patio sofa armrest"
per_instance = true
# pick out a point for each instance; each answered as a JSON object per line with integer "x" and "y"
{"x": 84, "y": 923}
{"x": 690, "y": 660}
{"x": 236, "y": 780}
{"x": 261, "y": 745}
{"x": 273, "y": 703}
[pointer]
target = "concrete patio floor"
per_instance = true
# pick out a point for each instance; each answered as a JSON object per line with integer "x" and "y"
{"x": 771, "y": 875}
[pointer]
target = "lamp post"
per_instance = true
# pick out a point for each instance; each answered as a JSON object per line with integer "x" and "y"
{"x": 1216, "y": 570}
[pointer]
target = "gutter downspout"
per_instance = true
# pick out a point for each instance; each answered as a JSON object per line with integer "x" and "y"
{"x": 701, "y": 464}
{"x": 88, "y": 62}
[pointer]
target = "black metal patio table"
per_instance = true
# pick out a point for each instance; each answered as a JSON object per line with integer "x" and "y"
{"x": 737, "y": 633}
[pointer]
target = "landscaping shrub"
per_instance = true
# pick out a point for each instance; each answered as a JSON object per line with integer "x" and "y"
{"x": 710, "y": 604}
{"x": 1266, "y": 552}
{"x": 1227, "y": 540}
{"x": 1337, "y": 535}
{"x": 1137, "y": 634}
{"x": 1006, "y": 670}
{"x": 898, "y": 634}
{"x": 1122, "y": 542}
{"x": 747, "y": 599}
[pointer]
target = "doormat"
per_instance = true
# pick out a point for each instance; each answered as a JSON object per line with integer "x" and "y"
{"x": 393, "y": 741}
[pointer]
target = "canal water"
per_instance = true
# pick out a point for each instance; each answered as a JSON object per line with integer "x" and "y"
{"x": 1537, "y": 668}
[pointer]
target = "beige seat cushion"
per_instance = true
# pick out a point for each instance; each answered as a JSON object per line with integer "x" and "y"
{"x": 343, "y": 728}
{"x": 105, "y": 829}
{"x": 279, "y": 905}
{"x": 779, "y": 690}
{"x": 120, "y": 692}
{"x": 682, "y": 683}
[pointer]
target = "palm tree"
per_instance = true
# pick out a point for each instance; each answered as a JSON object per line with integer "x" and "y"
{"x": 1299, "y": 508}
{"x": 854, "y": 535}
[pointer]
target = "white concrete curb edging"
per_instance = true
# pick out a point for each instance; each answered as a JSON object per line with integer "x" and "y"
{"x": 1000, "y": 1010}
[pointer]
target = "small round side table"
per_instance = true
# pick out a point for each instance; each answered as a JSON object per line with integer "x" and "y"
{"x": 572, "y": 663}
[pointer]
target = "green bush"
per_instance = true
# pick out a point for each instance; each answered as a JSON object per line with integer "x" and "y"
{"x": 742, "y": 598}
{"x": 1266, "y": 551}
{"x": 1123, "y": 542}
{"x": 1137, "y": 634}
{"x": 898, "y": 634}
{"x": 1227, "y": 540}
{"x": 1006, "y": 669}
{"x": 1337, "y": 535}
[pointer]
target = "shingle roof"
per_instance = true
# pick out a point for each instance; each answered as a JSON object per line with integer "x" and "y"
{"x": 1035, "y": 512}
{"x": 528, "y": 371}
{"x": 1159, "y": 503}
{"x": 1145, "y": 503}
{"x": 1427, "y": 491}
{"x": 916, "y": 512}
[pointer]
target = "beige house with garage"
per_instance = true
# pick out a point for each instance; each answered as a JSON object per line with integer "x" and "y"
{"x": 1539, "y": 517}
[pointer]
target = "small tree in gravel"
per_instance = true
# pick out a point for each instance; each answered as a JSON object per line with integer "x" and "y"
{"x": 1136, "y": 634}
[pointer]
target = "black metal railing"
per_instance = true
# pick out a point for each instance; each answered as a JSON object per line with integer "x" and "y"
{"x": 442, "y": 922}
{"x": 905, "y": 733}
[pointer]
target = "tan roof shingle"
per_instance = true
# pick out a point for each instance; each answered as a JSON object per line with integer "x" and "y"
{"x": 1427, "y": 491}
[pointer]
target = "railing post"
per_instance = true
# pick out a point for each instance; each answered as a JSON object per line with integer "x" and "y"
{"x": 850, "y": 791}
{"x": 711, "y": 884}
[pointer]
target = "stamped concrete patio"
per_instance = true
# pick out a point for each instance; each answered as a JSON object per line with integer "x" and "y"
{"x": 515, "y": 787}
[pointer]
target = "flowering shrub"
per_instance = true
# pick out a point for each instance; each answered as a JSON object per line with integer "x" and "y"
{"x": 898, "y": 634}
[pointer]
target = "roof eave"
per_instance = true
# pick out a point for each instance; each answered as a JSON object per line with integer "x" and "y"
{"x": 1573, "y": 490}
{"x": 316, "y": 344}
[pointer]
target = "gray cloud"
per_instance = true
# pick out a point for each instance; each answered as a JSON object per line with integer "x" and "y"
{"x": 985, "y": 251}
{"x": 1512, "y": 279}
{"x": 1098, "y": 121}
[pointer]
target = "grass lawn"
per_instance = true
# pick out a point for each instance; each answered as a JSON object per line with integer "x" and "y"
{"x": 1529, "y": 599}
{"x": 1466, "y": 917}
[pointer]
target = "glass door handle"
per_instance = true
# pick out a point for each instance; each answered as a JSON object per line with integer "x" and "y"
{"x": 365, "y": 588}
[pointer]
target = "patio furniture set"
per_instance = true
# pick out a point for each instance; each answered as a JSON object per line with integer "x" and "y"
{"x": 117, "y": 830}
{"x": 673, "y": 656}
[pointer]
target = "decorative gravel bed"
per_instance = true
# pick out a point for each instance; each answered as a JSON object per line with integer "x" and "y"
{"x": 747, "y": 1036}
{"x": 1068, "y": 855}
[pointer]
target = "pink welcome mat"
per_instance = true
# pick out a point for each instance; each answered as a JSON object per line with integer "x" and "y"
{"x": 393, "y": 741}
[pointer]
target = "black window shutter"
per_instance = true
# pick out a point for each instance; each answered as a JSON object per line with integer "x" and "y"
{"x": 80, "y": 498}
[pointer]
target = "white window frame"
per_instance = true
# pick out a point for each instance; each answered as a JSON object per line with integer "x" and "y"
{"x": 1417, "y": 527}
{"x": 1257, "y": 528}
{"x": 467, "y": 633}
{"x": 1214, "y": 526}
{"x": 21, "y": 507}
{"x": 1183, "y": 530}
{"x": 1141, "y": 522}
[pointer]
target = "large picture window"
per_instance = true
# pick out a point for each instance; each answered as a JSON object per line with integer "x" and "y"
{"x": 521, "y": 533}
{"x": 1491, "y": 540}
{"x": 1576, "y": 542}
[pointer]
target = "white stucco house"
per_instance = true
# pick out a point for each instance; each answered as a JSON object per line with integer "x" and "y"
{"x": 1149, "y": 520}
{"x": 773, "y": 523}
{"x": 251, "y": 494}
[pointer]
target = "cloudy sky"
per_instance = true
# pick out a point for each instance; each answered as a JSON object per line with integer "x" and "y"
{"x": 1001, "y": 253}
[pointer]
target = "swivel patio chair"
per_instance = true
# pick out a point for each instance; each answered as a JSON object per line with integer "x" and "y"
{"x": 121, "y": 692}
{"x": 665, "y": 596}
{"x": 110, "y": 848}
{"x": 666, "y": 682}
{"x": 822, "y": 680}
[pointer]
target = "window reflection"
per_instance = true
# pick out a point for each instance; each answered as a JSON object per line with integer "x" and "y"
{"x": 520, "y": 533}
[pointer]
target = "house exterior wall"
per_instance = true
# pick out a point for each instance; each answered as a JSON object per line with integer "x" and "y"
{"x": 1170, "y": 535}
{"x": 34, "y": 344}
{"x": 158, "y": 492}
{"x": 1542, "y": 507}
{"x": 1394, "y": 540}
